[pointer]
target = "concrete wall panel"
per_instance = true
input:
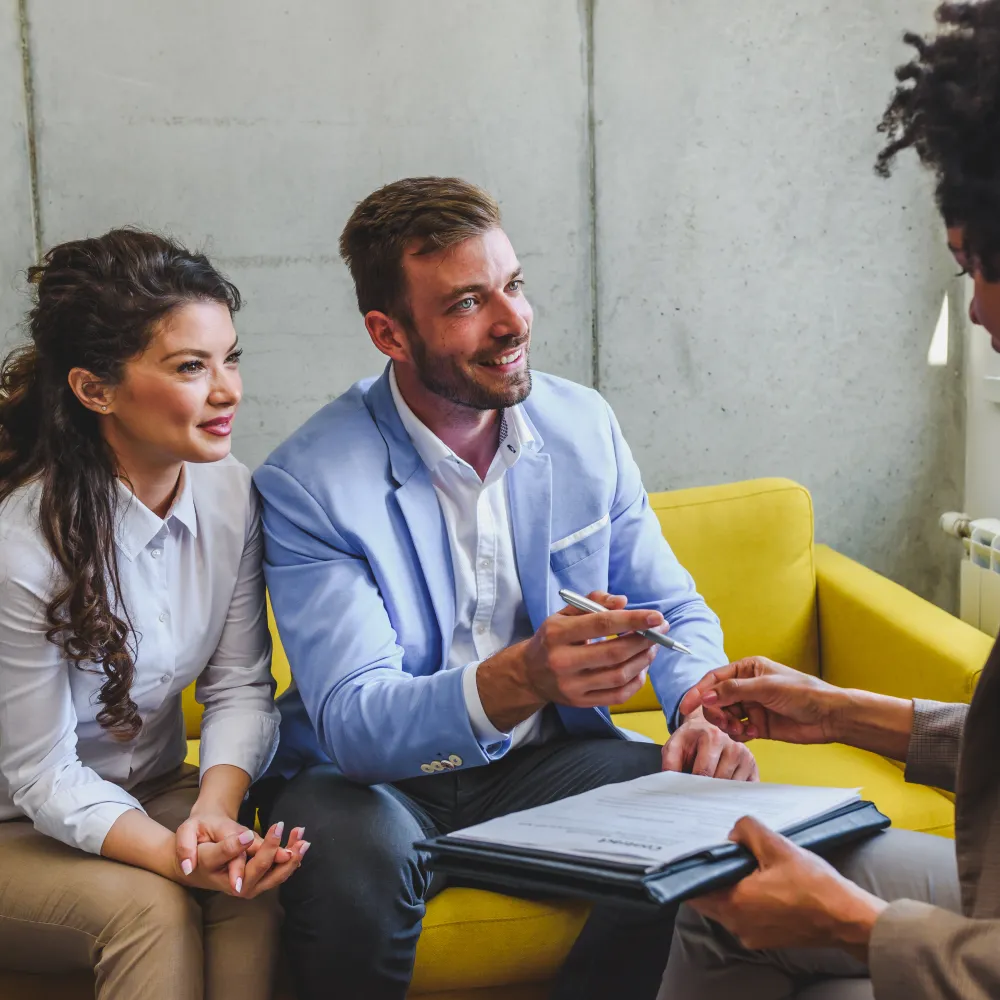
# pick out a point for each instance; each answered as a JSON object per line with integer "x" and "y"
{"x": 765, "y": 303}
{"x": 16, "y": 238}
{"x": 254, "y": 128}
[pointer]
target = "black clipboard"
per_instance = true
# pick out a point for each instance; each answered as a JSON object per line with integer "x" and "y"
{"x": 532, "y": 873}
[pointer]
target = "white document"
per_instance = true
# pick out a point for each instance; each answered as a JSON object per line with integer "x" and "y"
{"x": 657, "y": 819}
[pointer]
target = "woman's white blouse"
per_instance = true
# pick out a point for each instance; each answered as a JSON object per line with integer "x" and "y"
{"x": 194, "y": 590}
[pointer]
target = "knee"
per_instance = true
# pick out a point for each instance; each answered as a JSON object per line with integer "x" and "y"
{"x": 362, "y": 870}
{"x": 152, "y": 913}
{"x": 166, "y": 909}
{"x": 358, "y": 876}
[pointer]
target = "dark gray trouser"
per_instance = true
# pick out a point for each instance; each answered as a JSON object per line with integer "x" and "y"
{"x": 706, "y": 963}
{"x": 353, "y": 913}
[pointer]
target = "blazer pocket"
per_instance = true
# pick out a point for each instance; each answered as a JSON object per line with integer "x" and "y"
{"x": 585, "y": 542}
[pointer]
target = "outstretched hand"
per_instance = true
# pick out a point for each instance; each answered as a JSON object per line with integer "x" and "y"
{"x": 757, "y": 698}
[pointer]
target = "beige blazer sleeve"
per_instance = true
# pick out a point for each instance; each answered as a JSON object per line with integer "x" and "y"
{"x": 921, "y": 952}
{"x": 932, "y": 756}
{"x": 918, "y": 951}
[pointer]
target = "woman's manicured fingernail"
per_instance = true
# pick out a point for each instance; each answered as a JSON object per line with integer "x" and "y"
{"x": 654, "y": 619}
{"x": 246, "y": 837}
{"x": 752, "y": 732}
{"x": 279, "y": 828}
{"x": 710, "y": 697}
{"x": 186, "y": 866}
{"x": 239, "y": 885}
{"x": 303, "y": 847}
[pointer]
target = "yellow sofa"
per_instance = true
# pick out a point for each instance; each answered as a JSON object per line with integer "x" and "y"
{"x": 750, "y": 548}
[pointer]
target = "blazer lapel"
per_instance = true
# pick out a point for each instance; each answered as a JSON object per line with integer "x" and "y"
{"x": 422, "y": 512}
{"x": 419, "y": 506}
{"x": 529, "y": 489}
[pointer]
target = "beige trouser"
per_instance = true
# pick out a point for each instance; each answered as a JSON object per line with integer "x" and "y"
{"x": 706, "y": 963}
{"x": 145, "y": 937}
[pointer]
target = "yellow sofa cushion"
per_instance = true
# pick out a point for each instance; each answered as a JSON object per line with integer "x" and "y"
{"x": 749, "y": 547}
{"x": 910, "y": 807}
{"x": 473, "y": 939}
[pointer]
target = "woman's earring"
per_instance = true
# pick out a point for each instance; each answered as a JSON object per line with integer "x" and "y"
{"x": 104, "y": 409}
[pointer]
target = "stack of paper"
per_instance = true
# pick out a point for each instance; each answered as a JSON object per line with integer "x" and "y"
{"x": 657, "y": 819}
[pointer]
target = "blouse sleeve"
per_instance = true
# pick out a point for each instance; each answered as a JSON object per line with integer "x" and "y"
{"x": 38, "y": 757}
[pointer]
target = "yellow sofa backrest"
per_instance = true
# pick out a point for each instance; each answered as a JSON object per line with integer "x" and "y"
{"x": 749, "y": 547}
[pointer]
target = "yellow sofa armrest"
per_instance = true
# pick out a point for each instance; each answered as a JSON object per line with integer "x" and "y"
{"x": 878, "y": 636}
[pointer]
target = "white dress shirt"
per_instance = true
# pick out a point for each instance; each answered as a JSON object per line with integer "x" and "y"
{"x": 193, "y": 587}
{"x": 489, "y": 606}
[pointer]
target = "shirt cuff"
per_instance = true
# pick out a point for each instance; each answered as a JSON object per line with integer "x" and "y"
{"x": 494, "y": 743}
{"x": 74, "y": 818}
{"x": 244, "y": 740}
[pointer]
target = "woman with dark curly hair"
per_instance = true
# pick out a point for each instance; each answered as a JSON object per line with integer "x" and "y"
{"x": 907, "y": 915}
{"x": 130, "y": 566}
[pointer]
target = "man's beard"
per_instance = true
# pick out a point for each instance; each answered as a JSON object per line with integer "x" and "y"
{"x": 445, "y": 378}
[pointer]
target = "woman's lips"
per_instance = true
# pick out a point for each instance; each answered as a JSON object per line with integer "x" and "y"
{"x": 222, "y": 427}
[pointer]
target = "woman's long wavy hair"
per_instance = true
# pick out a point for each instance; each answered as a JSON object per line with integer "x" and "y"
{"x": 98, "y": 303}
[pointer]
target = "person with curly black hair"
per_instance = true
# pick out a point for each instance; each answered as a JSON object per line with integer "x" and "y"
{"x": 906, "y": 915}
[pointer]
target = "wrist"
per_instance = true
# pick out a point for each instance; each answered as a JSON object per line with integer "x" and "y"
{"x": 875, "y": 722}
{"x": 505, "y": 690}
{"x": 212, "y": 806}
{"x": 855, "y": 921}
{"x": 838, "y": 717}
{"x": 166, "y": 862}
{"x": 223, "y": 788}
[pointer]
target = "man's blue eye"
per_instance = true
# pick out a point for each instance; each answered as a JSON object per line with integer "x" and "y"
{"x": 466, "y": 304}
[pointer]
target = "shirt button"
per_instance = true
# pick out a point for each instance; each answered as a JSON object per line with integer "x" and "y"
{"x": 486, "y": 563}
{"x": 165, "y": 679}
{"x": 156, "y": 553}
{"x": 481, "y": 629}
{"x": 164, "y": 616}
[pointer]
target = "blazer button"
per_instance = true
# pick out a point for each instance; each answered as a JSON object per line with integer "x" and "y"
{"x": 427, "y": 768}
{"x": 455, "y": 760}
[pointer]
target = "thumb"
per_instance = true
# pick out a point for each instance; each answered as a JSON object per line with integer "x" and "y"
{"x": 216, "y": 856}
{"x": 762, "y": 842}
{"x": 760, "y": 690}
{"x": 186, "y": 844}
{"x": 690, "y": 701}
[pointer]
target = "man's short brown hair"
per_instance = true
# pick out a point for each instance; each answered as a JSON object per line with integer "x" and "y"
{"x": 419, "y": 214}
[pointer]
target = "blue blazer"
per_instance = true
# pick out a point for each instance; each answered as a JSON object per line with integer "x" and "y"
{"x": 360, "y": 576}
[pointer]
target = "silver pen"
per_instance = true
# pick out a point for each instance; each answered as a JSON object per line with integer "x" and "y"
{"x": 586, "y": 604}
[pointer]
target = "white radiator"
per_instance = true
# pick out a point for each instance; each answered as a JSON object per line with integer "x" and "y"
{"x": 979, "y": 584}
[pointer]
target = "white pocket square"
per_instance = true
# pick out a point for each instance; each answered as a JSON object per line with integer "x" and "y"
{"x": 579, "y": 536}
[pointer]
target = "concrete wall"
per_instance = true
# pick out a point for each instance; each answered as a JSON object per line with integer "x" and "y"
{"x": 762, "y": 295}
{"x": 254, "y": 128}
{"x": 763, "y": 304}
{"x": 16, "y": 246}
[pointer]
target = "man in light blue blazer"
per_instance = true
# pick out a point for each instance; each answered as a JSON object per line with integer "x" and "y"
{"x": 418, "y": 530}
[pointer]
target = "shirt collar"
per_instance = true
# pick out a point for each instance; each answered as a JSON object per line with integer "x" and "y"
{"x": 138, "y": 525}
{"x": 515, "y": 432}
{"x": 429, "y": 446}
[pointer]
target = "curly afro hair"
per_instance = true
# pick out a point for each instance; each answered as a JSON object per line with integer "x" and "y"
{"x": 947, "y": 108}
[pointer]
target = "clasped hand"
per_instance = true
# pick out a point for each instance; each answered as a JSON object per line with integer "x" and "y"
{"x": 216, "y": 852}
